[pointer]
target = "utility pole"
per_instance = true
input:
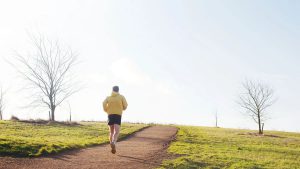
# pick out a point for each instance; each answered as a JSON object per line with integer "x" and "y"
{"x": 216, "y": 116}
{"x": 70, "y": 111}
{"x": 1, "y": 103}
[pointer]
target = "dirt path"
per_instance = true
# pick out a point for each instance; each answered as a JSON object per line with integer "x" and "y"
{"x": 144, "y": 149}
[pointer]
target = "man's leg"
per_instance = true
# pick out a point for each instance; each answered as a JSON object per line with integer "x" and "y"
{"x": 117, "y": 132}
{"x": 111, "y": 133}
{"x": 111, "y": 138}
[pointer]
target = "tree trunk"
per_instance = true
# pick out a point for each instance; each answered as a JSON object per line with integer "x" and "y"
{"x": 260, "y": 130}
{"x": 0, "y": 115}
{"x": 259, "y": 125}
{"x": 52, "y": 113}
{"x": 70, "y": 116}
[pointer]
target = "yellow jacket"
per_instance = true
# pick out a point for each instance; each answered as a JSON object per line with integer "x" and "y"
{"x": 115, "y": 104}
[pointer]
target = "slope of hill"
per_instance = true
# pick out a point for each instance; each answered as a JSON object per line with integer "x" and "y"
{"x": 142, "y": 150}
{"x": 203, "y": 147}
{"x": 35, "y": 139}
{"x": 194, "y": 147}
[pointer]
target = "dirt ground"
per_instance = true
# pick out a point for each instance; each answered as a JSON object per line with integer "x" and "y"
{"x": 144, "y": 149}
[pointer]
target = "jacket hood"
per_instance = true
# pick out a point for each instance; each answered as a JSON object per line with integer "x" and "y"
{"x": 114, "y": 94}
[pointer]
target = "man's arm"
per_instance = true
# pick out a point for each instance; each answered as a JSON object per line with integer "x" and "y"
{"x": 124, "y": 103}
{"x": 105, "y": 104}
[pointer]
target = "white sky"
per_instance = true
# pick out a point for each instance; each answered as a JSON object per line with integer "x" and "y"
{"x": 175, "y": 61}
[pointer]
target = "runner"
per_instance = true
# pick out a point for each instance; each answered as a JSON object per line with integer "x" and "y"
{"x": 114, "y": 106}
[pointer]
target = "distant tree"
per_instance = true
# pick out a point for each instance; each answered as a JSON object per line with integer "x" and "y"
{"x": 255, "y": 100}
{"x": 1, "y": 103}
{"x": 47, "y": 69}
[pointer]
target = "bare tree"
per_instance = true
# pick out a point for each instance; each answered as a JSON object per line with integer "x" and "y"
{"x": 1, "y": 103}
{"x": 47, "y": 69}
{"x": 255, "y": 101}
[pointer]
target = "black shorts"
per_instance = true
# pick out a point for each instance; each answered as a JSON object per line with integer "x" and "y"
{"x": 114, "y": 119}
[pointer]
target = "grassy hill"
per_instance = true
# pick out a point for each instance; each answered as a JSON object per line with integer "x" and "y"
{"x": 35, "y": 139}
{"x": 202, "y": 147}
{"x": 194, "y": 147}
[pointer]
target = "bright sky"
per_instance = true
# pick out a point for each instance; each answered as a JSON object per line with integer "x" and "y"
{"x": 175, "y": 61}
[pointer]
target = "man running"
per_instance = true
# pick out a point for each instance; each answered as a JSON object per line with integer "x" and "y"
{"x": 114, "y": 106}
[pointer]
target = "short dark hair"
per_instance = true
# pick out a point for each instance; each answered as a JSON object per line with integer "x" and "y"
{"x": 116, "y": 88}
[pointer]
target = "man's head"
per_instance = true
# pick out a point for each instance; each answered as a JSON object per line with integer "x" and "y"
{"x": 116, "y": 88}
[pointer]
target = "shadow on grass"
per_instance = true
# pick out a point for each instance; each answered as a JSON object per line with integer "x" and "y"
{"x": 261, "y": 135}
{"x": 46, "y": 122}
{"x": 139, "y": 160}
{"x": 186, "y": 164}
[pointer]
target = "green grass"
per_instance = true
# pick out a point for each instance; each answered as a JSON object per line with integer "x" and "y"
{"x": 31, "y": 140}
{"x": 203, "y": 147}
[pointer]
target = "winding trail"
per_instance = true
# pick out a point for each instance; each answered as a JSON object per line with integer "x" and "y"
{"x": 144, "y": 149}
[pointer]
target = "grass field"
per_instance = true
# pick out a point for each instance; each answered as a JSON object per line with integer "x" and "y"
{"x": 201, "y": 147}
{"x": 29, "y": 140}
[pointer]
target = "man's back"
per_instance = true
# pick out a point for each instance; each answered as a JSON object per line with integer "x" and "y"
{"x": 115, "y": 104}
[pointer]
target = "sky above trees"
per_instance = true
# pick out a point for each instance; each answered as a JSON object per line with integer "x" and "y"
{"x": 175, "y": 61}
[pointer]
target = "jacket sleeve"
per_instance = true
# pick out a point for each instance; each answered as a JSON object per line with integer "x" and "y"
{"x": 105, "y": 104}
{"x": 124, "y": 103}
